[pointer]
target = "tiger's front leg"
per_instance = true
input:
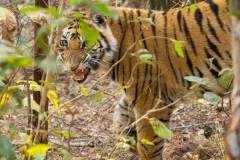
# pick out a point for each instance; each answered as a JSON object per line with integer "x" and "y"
{"x": 145, "y": 130}
{"x": 123, "y": 117}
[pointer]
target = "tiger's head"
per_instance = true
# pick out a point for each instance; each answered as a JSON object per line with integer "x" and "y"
{"x": 80, "y": 60}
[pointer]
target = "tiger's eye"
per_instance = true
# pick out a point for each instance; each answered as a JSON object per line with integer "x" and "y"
{"x": 64, "y": 43}
{"x": 84, "y": 45}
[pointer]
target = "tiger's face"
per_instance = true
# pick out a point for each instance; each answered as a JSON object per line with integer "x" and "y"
{"x": 80, "y": 60}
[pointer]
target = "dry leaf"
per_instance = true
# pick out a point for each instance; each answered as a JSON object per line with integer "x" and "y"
{"x": 8, "y": 24}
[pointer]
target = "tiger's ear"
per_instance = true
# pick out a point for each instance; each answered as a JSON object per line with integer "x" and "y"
{"x": 99, "y": 20}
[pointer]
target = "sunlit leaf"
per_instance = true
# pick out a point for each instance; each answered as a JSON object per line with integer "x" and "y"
{"x": 100, "y": 96}
{"x": 211, "y": 97}
{"x": 84, "y": 91}
{"x": 37, "y": 149}
{"x": 145, "y": 141}
{"x": 178, "y": 47}
{"x": 160, "y": 129}
{"x": 27, "y": 9}
{"x": 53, "y": 98}
{"x": 102, "y": 8}
{"x": 145, "y": 58}
{"x": 29, "y": 139}
{"x": 123, "y": 89}
{"x": 67, "y": 134}
{"x": 91, "y": 35}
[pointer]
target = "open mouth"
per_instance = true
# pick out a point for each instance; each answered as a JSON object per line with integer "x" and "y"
{"x": 80, "y": 75}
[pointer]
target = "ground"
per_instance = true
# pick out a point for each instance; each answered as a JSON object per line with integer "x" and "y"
{"x": 84, "y": 126}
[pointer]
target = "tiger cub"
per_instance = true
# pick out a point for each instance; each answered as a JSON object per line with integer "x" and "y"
{"x": 205, "y": 30}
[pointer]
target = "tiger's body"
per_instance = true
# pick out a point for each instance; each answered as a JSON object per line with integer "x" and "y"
{"x": 205, "y": 31}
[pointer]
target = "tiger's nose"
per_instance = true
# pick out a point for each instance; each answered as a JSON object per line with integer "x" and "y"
{"x": 73, "y": 68}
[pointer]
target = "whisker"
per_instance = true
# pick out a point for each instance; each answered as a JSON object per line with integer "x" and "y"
{"x": 102, "y": 61}
{"x": 100, "y": 64}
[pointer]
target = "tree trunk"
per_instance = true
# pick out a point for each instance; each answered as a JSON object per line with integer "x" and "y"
{"x": 233, "y": 139}
{"x": 39, "y": 137}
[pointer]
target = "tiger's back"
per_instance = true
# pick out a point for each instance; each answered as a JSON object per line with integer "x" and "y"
{"x": 204, "y": 29}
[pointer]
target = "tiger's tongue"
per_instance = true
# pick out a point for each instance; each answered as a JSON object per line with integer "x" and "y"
{"x": 79, "y": 75}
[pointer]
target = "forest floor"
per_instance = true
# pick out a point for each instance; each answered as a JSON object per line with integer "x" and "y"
{"x": 84, "y": 126}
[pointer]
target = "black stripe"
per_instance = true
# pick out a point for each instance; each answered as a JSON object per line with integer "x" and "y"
{"x": 215, "y": 62}
{"x": 125, "y": 102}
{"x": 164, "y": 120}
{"x": 119, "y": 57}
{"x": 214, "y": 8}
{"x": 189, "y": 62}
{"x": 113, "y": 70}
{"x": 154, "y": 28}
{"x": 156, "y": 153}
{"x": 212, "y": 30}
{"x": 132, "y": 24}
{"x": 181, "y": 75}
{"x": 229, "y": 55}
{"x": 200, "y": 74}
{"x": 120, "y": 23}
{"x": 106, "y": 41}
{"x": 149, "y": 12}
{"x": 136, "y": 81}
{"x": 189, "y": 36}
{"x": 179, "y": 18}
{"x": 166, "y": 46}
{"x": 145, "y": 46}
{"x": 199, "y": 18}
{"x": 123, "y": 107}
{"x": 213, "y": 47}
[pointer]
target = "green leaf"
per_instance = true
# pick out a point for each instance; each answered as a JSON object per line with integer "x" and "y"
{"x": 228, "y": 15}
{"x": 84, "y": 91}
{"x": 47, "y": 64}
{"x": 100, "y": 96}
{"x": 102, "y": 8}
{"x": 34, "y": 104}
{"x": 160, "y": 129}
{"x": 66, "y": 155}
{"x": 53, "y": 12}
{"x": 122, "y": 89}
{"x": 145, "y": 141}
{"x": 202, "y": 81}
{"x": 58, "y": 142}
{"x": 211, "y": 97}
{"x": 40, "y": 156}
{"x": 37, "y": 149}
{"x": 194, "y": 7}
{"x": 225, "y": 81}
{"x": 90, "y": 35}
{"x": 150, "y": 20}
{"x": 145, "y": 58}
{"x": 178, "y": 48}
{"x": 2, "y": 83}
{"x": 27, "y": 9}
{"x": 53, "y": 98}
{"x": 67, "y": 134}
{"x": 6, "y": 149}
